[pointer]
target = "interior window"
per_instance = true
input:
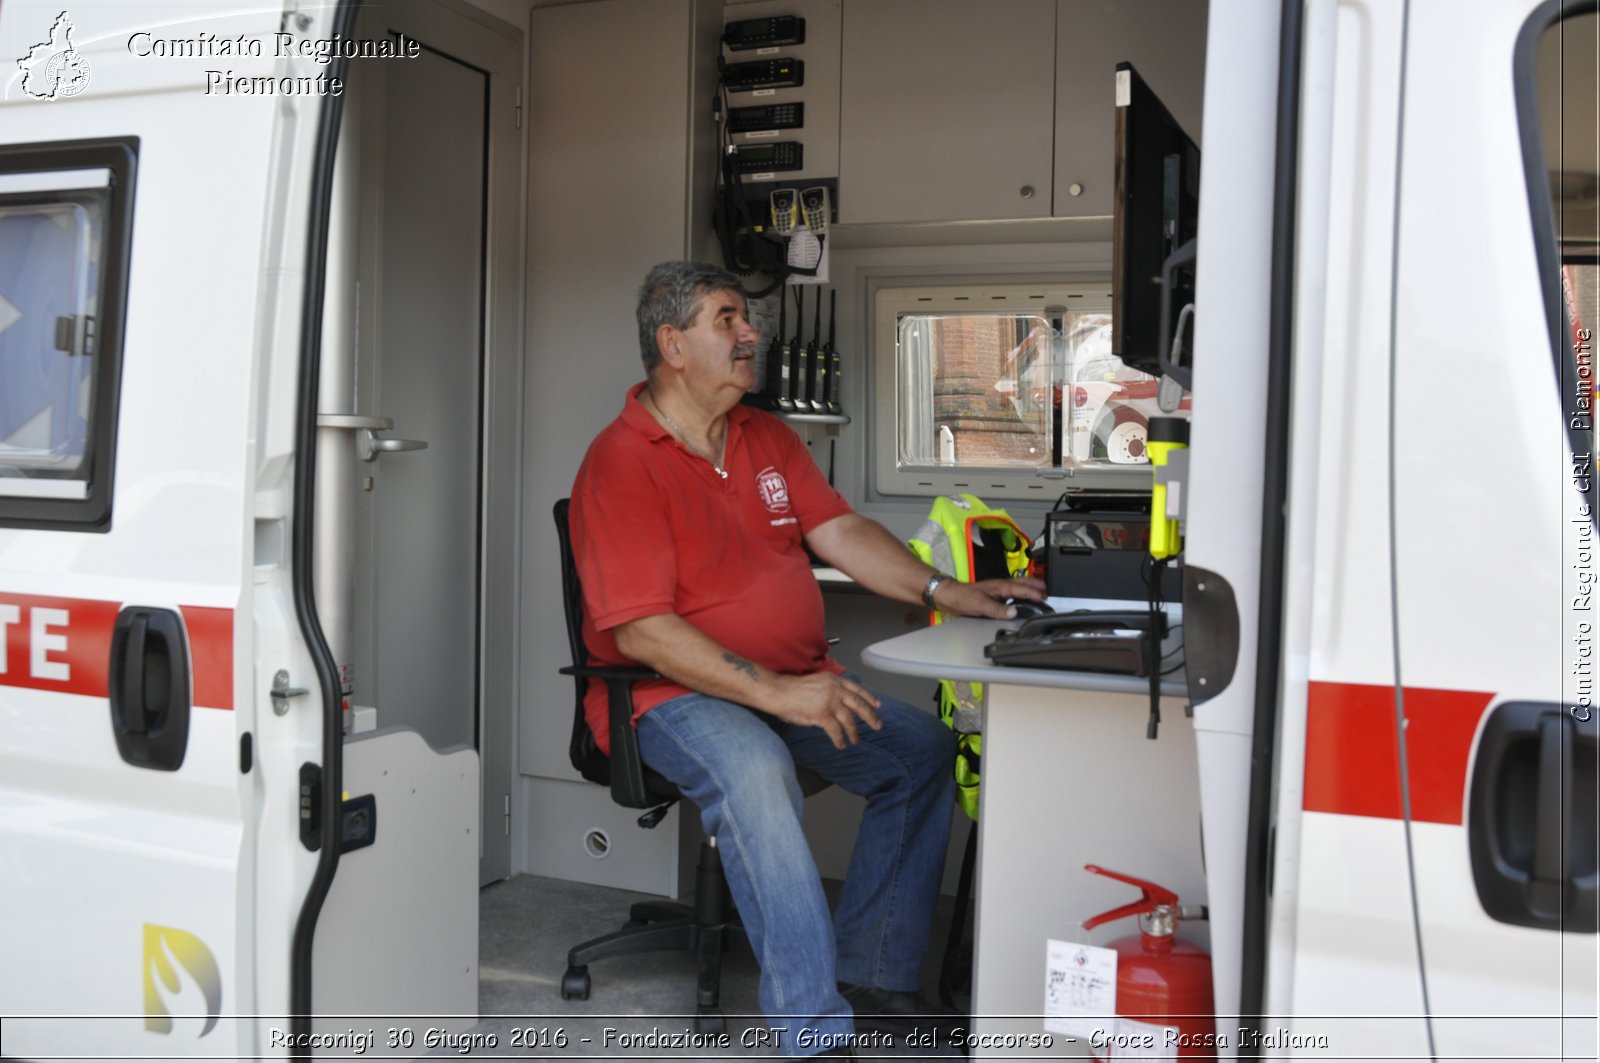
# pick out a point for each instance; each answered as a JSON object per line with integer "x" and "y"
{"x": 977, "y": 389}
{"x": 63, "y": 241}
{"x": 1007, "y": 391}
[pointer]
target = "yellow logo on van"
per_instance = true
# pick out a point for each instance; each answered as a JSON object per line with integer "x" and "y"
{"x": 163, "y": 945}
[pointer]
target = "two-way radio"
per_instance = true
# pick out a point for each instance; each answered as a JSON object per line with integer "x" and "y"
{"x": 802, "y": 374}
{"x": 778, "y": 361}
{"x": 802, "y": 355}
{"x": 819, "y": 362}
{"x": 831, "y": 400}
{"x": 773, "y": 32}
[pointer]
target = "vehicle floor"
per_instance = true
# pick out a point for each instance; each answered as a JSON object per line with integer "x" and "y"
{"x": 527, "y": 924}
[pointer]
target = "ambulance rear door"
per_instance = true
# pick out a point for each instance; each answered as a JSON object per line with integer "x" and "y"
{"x": 153, "y": 248}
{"x": 1495, "y": 524}
{"x": 1434, "y": 879}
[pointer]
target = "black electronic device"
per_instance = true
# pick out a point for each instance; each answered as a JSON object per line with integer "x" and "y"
{"x": 802, "y": 356}
{"x": 830, "y": 401}
{"x": 785, "y": 203}
{"x": 819, "y": 362}
{"x": 777, "y": 388}
{"x": 791, "y": 354}
{"x": 764, "y": 74}
{"x": 774, "y": 32}
{"x": 766, "y": 116}
{"x": 1087, "y": 641}
{"x": 815, "y": 210}
{"x": 1156, "y": 208}
{"x": 1027, "y": 608}
{"x": 777, "y": 157}
{"x": 1097, "y": 545}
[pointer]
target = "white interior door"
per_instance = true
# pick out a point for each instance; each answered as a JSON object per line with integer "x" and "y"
{"x": 427, "y": 376}
{"x": 427, "y": 341}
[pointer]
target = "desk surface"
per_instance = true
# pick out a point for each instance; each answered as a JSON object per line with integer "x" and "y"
{"x": 954, "y": 650}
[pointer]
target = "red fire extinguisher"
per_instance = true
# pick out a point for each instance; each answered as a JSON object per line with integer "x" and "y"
{"x": 1162, "y": 982}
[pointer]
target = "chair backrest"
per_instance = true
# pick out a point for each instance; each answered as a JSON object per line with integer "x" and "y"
{"x": 632, "y": 784}
{"x": 585, "y": 753}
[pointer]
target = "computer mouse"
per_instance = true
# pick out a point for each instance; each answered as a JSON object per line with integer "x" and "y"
{"x": 1026, "y": 607}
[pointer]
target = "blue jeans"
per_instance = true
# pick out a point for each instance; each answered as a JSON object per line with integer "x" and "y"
{"x": 737, "y": 765}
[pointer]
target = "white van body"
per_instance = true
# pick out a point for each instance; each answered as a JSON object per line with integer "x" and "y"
{"x": 1432, "y": 519}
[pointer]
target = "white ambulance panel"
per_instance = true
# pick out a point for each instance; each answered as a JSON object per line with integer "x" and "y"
{"x": 137, "y": 779}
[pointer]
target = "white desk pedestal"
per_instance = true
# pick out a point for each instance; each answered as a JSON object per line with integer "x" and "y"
{"x": 1068, "y": 779}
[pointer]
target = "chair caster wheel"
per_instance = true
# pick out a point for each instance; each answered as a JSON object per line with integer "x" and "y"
{"x": 710, "y": 1022}
{"x": 575, "y": 984}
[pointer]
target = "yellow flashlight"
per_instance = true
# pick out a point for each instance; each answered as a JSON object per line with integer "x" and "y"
{"x": 1166, "y": 435}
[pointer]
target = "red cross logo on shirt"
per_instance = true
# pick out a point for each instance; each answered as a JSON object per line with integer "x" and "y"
{"x": 774, "y": 490}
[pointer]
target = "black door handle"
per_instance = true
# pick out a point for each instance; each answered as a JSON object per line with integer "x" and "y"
{"x": 1530, "y": 827}
{"x": 150, "y": 687}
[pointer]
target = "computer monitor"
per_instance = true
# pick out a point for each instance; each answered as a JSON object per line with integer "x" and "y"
{"x": 1157, "y": 205}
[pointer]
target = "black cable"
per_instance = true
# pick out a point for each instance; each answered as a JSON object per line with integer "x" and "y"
{"x": 1153, "y": 574}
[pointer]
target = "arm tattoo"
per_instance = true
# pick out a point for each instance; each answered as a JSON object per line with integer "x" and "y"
{"x": 741, "y": 664}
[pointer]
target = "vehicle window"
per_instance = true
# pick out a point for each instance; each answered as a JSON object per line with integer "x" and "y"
{"x": 60, "y": 275}
{"x": 1006, "y": 391}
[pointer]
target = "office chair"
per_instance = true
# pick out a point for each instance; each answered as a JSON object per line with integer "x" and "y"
{"x": 710, "y": 925}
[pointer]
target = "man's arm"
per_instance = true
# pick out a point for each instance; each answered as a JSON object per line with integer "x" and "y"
{"x": 865, "y": 551}
{"x": 686, "y": 655}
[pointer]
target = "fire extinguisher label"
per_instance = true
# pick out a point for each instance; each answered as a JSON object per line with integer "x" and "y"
{"x": 1080, "y": 989}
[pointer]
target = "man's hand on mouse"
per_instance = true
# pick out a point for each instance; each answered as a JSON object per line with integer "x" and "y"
{"x": 987, "y": 597}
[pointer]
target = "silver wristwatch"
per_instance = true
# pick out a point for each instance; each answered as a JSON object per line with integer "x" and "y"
{"x": 933, "y": 585}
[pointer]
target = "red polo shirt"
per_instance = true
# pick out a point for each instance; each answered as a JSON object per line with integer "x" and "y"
{"x": 657, "y": 531}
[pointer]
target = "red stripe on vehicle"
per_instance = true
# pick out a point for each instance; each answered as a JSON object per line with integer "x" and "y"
{"x": 63, "y": 645}
{"x": 211, "y": 650}
{"x": 1353, "y": 753}
{"x": 57, "y": 644}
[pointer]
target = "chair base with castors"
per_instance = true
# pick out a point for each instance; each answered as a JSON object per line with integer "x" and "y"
{"x": 707, "y": 929}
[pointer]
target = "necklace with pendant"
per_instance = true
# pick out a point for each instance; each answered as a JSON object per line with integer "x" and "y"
{"x": 677, "y": 430}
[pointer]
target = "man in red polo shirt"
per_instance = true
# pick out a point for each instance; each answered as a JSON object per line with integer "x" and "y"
{"x": 689, "y": 518}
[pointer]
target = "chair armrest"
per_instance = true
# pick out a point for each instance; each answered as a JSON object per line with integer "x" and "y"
{"x": 628, "y": 787}
{"x": 630, "y": 673}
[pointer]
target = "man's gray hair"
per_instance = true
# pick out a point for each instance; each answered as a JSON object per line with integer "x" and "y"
{"x": 669, "y": 295}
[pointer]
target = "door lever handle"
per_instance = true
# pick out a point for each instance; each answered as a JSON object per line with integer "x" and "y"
{"x": 369, "y": 444}
{"x": 372, "y": 446}
{"x": 148, "y": 687}
{"x": 1554, "y": 794}
{"x": 1530, "y": 832}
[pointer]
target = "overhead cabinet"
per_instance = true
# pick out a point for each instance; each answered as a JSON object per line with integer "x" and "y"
{"x": 956, "y": 111}
{"x": 946, "y": 110}
{"x": 1165, "y": 42}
